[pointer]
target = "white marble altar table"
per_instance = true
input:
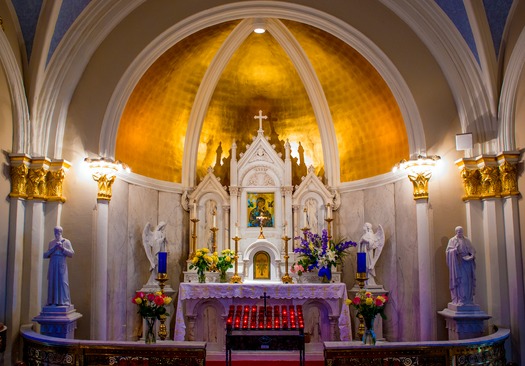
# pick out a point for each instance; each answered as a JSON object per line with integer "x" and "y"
{"x": 333, "y": 294}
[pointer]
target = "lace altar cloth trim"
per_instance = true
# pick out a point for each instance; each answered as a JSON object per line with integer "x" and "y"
{"x": 328, "y": 291}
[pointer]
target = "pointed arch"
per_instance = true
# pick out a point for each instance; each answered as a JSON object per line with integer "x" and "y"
{"x": 21, "y": 122}
{"x": 259, "y": 9}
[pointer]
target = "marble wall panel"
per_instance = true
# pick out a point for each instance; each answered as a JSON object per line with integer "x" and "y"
{"x": 142, "y": 208}
{"x": 406, "y": 290}
{"x": 348, "y": 224}
{"x": 171, "y": 212}
{"x": 117, "y": 261}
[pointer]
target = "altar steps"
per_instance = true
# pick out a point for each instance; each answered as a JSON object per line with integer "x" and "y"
{"x": 278, "y": 362}
{"x": 265, "y": 358}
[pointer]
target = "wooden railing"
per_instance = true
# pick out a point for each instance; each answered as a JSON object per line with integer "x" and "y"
{"x": 489, "y": 350}
{"x": 44, "y": 350}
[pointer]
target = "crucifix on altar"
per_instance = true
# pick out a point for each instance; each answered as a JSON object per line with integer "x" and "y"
{"x": 260, "y": 117}
{"x": 261, "y": 222}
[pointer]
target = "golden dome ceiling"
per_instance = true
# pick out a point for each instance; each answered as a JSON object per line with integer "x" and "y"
{"x": 369, "y": 128}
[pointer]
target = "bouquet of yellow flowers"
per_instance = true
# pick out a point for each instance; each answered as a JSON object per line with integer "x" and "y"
{"x": 225, "y": 260}
{"x": 203, "y": 261}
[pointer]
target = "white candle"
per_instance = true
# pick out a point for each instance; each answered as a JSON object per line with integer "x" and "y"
{"x": 214, "y": 220}
{"x": 328, "y": 211}
{"x": 194, "y": 209}
{"x": 237, "y": 230}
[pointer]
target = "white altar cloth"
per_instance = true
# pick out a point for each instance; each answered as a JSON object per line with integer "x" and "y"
{"x": 335, "y": 293}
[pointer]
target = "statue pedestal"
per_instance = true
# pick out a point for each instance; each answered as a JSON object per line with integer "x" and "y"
{"x": 58, "y": 321}
{"x": 464, "y": 321}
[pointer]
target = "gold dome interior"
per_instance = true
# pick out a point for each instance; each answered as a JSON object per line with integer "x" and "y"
{"x": 370, "y": 132}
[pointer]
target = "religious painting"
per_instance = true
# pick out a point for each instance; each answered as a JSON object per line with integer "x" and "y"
{"x": 261, "y": 268}
{"x": 260, "y": 209}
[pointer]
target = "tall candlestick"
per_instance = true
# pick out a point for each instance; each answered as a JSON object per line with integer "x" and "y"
{"x": 163, "y": 262}
{"x": 361, "y": 262}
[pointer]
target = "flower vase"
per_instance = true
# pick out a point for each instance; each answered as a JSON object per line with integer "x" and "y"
{"x": 325, "y": 279}
{"x": 202, "y": 277}
{"x": 369, "y": 337}
{"x": 222, "y": 277}
{"x": 149, "y": 332}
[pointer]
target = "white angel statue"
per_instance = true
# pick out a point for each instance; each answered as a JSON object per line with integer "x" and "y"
{"x": 372, "y": 244}
{"x": 154, "y": 241}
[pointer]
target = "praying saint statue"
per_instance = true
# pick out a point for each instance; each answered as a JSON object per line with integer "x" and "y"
{"x": 372, "y": 244}
{"x": 57, "y": 276}
{"x": 154, "y": 241}
{"x": 462, "y": 265}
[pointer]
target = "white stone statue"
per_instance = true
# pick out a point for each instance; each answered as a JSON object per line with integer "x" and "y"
{"x": 211, "y": 211}
{"x": 462, "y": 265}
{"x": 311, "y": 215}
{"x": 372, "y": 244}
{"x": 57, "y": 275}
{"x": 154, "y": 241}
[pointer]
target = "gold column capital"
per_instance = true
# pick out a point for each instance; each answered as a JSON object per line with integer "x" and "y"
{"x": 420, "y": 184}
{"x": 36, "y": 182}
{"x": 419, "y": 171}
{"x": 19, "y": 170}
{"x": 508, "y": 171}
{"x": 104, "y": 171}
{"x": 55, "y": 180}
{"x": 490, "y": 176}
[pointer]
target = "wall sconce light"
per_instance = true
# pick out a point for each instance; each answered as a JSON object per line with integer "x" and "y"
{"x": 419, "y": 172}
{"x": 259, "y": 25}
{"x": 104, "y": 171}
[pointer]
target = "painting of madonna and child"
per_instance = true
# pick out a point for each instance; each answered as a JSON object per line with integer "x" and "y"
{"x": 260, "y": 209}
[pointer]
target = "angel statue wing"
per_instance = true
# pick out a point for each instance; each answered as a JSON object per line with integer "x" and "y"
{"x": 148, "y": 236}
{"x": 379, "y": 243}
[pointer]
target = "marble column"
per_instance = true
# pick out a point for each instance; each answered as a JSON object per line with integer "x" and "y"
{"x": 36, "y": 257}
{"x": 426, "y": 315}
{"x": 515, "y": 276}
{"x": 495, "y": 261}
{"x": 14, "y": 275}
{"x": 100, "y": 273}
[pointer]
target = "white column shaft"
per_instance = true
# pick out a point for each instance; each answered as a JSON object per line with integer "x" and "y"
{"x": 426, "y": 315}
{"x": 100, "y": 273}
{"x": 515, "y": 274}
{"x": 36, "y": 237}
{"x": 495, "y": 261}
{"x": 14, "y": 275}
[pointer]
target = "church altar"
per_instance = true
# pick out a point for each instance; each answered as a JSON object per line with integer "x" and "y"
{"x": 202, "y": 308}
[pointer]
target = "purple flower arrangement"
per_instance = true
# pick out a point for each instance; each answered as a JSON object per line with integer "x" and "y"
{"x": 320, "y": 252}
